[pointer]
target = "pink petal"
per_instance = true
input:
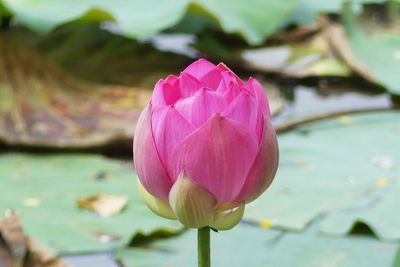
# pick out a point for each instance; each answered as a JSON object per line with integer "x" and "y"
{"x": 264, "y": 168}
{"x": 261, "y": 97}
{"x": 169, "y": 128}
{"x": 243, "y": 109}
{"x": 217, "y": 156}
{"x": 148, "y": 166}
{"x": 199, "y": 68}
{"x": 229, "y": 86}
{"x": 198, "y": 108}
{"x": 256, "y": 89}
{"x": 211, "y": 79}
{"x": 172, "y": 80}
{"x": 164, "y": 94}
{"x": 223, "y": 68}
{"x": 158, "y": 94}
{"x": 188, "y": 84}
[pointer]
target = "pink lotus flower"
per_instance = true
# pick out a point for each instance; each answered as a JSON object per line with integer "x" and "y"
{"x": 205, "y": 146}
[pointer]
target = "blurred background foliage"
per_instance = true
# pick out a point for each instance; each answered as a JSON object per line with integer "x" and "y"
{"x": 74, "y": 76}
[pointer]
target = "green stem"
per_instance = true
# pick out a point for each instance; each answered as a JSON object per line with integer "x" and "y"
{"x": 203, "y": 246}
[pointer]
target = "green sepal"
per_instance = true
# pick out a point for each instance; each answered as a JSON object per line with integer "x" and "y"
{"x": 192, "y": 204}
{"x": 155, "y": 204}
{"x": 227, "y": 219}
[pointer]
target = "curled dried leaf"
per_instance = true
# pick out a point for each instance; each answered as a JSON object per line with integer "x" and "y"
{"x": 17, "y": 249}
{"x": 106, "y": 205}
{"x": 39, "y": 256}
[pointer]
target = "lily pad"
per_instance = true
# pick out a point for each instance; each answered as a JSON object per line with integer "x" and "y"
{"x": 42, "y": 106}
{"x": 378, "y": 54}
{"x": 336, "y": 167}
{"x": 381, "y": 215}
{"x": 259, "y": 248}
{"x": 306, "y": 11}
{"x": 254, "y": 20}
{"x": 55, "y": 182}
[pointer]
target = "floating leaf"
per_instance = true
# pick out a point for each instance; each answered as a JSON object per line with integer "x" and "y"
{"x": 375, "y": 56}
{"x": 259, "y": 248}
{"x": 136, "y": 18}
{"x": 380, "y": 215}
{"x": 306, "y": 11}
{"x": 41, "y": 106}
{"x": 58, "y": 180}
{"x": 330, "y": 168}
{"x": 253, "y": 19}
{"x": 106, "y": 205}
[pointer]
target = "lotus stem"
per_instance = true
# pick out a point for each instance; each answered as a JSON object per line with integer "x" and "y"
{"x": 203, "y": 249}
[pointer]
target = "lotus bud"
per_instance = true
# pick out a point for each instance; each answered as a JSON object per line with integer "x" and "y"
{"x": 205, "y": 146}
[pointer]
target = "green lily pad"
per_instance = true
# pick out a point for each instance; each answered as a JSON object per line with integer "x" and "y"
{"x": 44, "y": 190}
{"x": 3, "y": 10}
{"x": 381, "y": 214}
{"x": 377, "y": 54}
{"x": 347, "y": 165}
{"x": 254, "y": 19}
{"x": 247, "y": 245}
{"x": 306, "y": 10}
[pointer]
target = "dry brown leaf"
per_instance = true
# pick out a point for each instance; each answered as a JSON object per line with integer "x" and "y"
{"x": 5, "y": 255}
{"x": 297, "y": 35}
{"x": 13, "y": 236}
{"x": 337, "y": 39}
{"x": 311, "y": 57}
{"x": 306, "y": 51}
{"x": 16, "y": 249}
{"x": 39, "y": 256}
{"x": 106, "y": 205}
{"x": 41, "y": 106}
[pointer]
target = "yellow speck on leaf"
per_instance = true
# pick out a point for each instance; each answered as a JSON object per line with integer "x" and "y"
{"x": 32, "y": 202}
{"x": 345, "y": 120}
{"x": 265, "y": 223}
{"x": 396, "y": 54}
{"x": 382, "y": 181}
